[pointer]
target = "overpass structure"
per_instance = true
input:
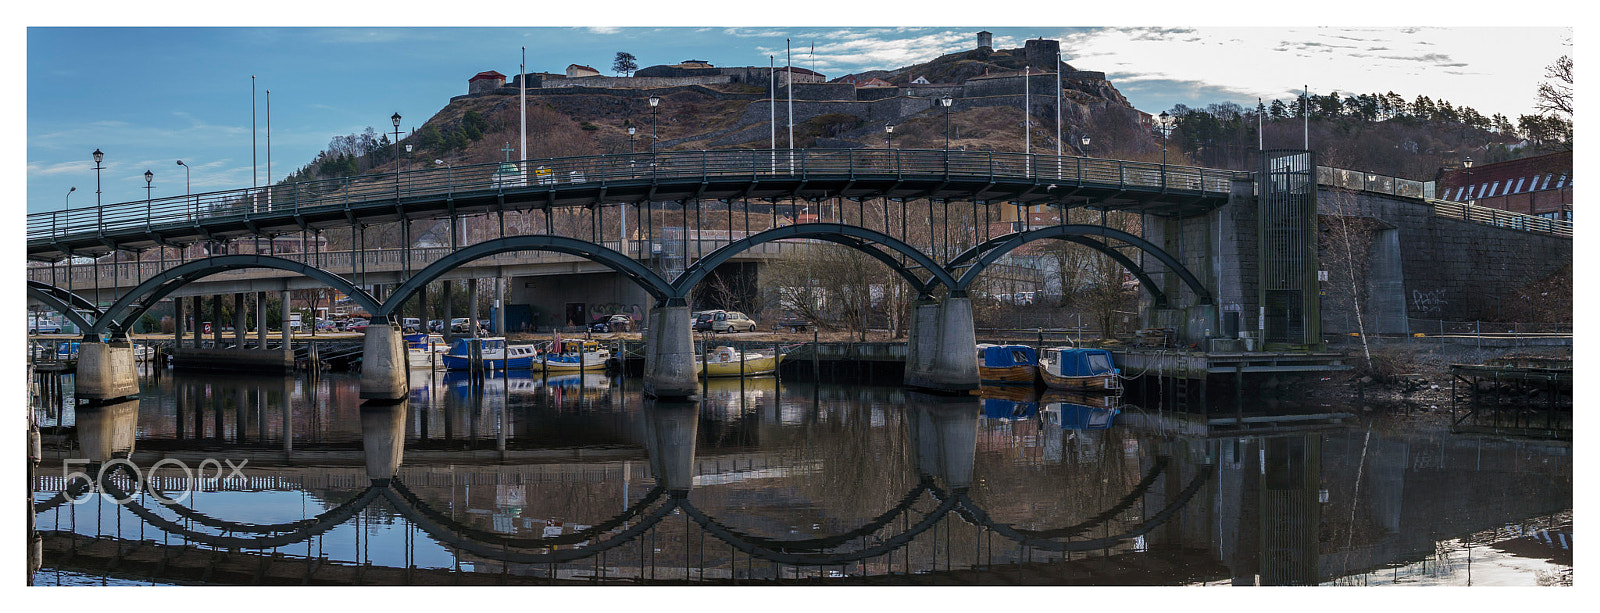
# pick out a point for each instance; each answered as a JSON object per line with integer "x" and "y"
{"x": 578, "y": 201}
{"x": 1220, "y": 254}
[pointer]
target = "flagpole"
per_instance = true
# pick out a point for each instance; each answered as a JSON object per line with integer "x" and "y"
{"x": 522, "y": 117}
{"x": 1305, "y": 114}
{"x": 788, "y": 56}
{"x": 772, "y": 119}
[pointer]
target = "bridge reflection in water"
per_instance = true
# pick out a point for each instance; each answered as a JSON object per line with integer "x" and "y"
{"x": 528, "y": 480}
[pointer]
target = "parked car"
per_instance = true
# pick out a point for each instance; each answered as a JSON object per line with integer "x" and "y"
{"x": 612, "y": 323}
{"x": 794, "y": 324}
{"x": 702, "y": 320}
{"x": 436, "y": 325}
{"x": 45, "y": 327}
{"x": 459, "y": 325}
{"x": 411, "y": 324}
{"x": 732, "y": 321}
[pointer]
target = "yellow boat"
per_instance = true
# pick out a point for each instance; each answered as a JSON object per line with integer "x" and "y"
{"x": 730, "y": 362}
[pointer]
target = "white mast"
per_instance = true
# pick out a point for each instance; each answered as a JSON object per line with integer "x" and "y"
{"x": 522, "y": 117}
{"x": 772, "y": 119}
{"x": 788, "y": 57}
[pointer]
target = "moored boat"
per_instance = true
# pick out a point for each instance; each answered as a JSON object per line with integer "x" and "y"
{"x": 730, "y": 362}
{"x": 420, "y": 350}
{"x": 1079, "y": 368}
{"x": 1006, "y": 364}
{"x": 576, "y": 356}
{"x": 496, "y": 354}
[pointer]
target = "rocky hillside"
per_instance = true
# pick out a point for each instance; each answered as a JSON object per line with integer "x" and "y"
{"x": 590, "y": 121}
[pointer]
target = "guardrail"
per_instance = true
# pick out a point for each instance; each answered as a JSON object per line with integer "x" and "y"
{"x": 1500, "y": 218}
{"x": 756, "y": 164}
{"x": 128, "y": 273}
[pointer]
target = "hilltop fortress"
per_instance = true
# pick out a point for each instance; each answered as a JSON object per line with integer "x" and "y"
{"x": 980, "y": 77}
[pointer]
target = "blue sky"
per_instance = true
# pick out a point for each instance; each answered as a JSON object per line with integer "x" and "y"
{"x": 149, "y": 96}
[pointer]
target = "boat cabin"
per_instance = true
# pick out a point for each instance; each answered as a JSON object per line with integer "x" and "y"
{"x": 1084, "y": 362}
{"x": 1001, "y": 356}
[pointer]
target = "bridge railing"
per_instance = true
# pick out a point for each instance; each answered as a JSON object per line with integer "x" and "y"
{"x": 241, "y": 205}
{"x": 1500, "y": 218}
{"x": 127, "y": 273}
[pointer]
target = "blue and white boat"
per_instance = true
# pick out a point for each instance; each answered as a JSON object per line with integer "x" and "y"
{"x": 1006, "y": 364}
{"x": 576, "y": 356}
{"x": 1079, "y": 369}
{"x": 497, "y": 355}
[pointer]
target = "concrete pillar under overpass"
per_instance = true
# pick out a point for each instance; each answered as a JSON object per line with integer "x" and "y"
{"x": 669, "y": 368}
{"x": 216, "y": 321}
{"x": 383, "y": 362}
{"x": 177, "y": 323}
{"x": 261, "y": 319}
{"x": 199, "y": 315}
{"x": 939, "y": 349}
{"x": 238, "y": 321}
{"x": 106, "y": 370}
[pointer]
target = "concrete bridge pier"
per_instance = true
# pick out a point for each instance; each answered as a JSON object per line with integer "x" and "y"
{"x": 669, "y": 435}
{"x": 383, "y": 427}
{"x": 669, "y": 352}
{"x": 383, "y": 362}
{"x": 944, "y": 433}
{"x": 106, "y": 370}
{"x": 940, "y": 350}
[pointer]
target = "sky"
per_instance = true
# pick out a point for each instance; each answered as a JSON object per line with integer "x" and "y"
{"x": 153, "y": 94}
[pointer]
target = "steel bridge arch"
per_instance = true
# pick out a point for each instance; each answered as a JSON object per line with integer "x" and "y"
{"x": 993, "y": 249}
{"x": 1159, "y": 297}
{"x": 50, "y": 299}
{"x": 646, "y": 278}
{"x": 855, "y": 237}
{"x": 168, "y": 281}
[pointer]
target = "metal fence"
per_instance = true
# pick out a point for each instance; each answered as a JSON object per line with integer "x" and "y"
{"x": 238, "y": 205}
{"x": 1369, "y": 182}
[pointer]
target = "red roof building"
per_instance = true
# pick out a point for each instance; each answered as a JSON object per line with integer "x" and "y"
{"x": 485, "y": 80}
{"x": 1539, "y": 185}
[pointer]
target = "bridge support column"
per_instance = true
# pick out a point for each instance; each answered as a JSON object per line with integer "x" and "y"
{"x": 106, "y": 370}
{"x": 940, "y": 349}
{"x": 669, "y": 352}
{"x": 238, "y": 321}
{"x": 216, "y": 321}
{"x": 472, "y": 306}
{"x": 261, "y": 319}
{"x": 199, "y": 314}
{"x": 177, "y": 323}
{"x": 383, "y": 362}
{"x": 283, "y": 314}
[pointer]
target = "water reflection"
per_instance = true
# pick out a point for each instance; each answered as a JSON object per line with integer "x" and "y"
{"x": 581, "y": 478}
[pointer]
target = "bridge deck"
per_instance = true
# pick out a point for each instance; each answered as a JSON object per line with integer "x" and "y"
{"x": 976, "y": 176}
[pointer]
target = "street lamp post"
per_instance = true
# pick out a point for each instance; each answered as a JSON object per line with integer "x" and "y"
{"x": 68, "y": 224}
{"x": 99, "y": 215}
{"x": 654, "y": 102}
{"x": 148, "y": 177}
{"x": 395, "y": 119}
{"x": 631, "y": 130}
{"x": 945, "y": 102}
{"x": 186, "y": 189}
{"x": 1166, "y": 130}
{"x": 888, "y": 129}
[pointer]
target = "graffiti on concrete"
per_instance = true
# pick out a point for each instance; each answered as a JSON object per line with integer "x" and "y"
{"x": 1431, "y": 301}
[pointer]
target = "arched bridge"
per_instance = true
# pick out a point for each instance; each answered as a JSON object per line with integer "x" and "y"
{"x": 591, "y": 181}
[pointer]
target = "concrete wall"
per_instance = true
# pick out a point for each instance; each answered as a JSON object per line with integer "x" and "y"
{"x": 601, "y": 294}
{"x": 1454, "y": 269}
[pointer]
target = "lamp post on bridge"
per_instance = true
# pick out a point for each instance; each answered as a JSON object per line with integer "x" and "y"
{"x": 99, "y": 220}
{"x": 631, "y": 130}
{"x": 654, "y": 102}
{"x": 946, "y": 102}
{"x": 148, "y": 177}
{"x": 888, "y": 129}
{"x": 68, "y": 214}
{"x": 1165, "y": 126}
{"x": 395, "y": 119}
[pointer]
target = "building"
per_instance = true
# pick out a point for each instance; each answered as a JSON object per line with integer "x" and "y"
{"x": 579, "y": 70}
{"x": 485, "y": 81}
{"x": 1539, "y": 185}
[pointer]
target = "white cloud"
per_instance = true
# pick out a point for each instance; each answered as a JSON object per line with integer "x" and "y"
{"x": 1495, "y": 70}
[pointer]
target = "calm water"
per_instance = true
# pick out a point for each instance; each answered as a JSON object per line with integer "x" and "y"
{"x": 527, "y": 480}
